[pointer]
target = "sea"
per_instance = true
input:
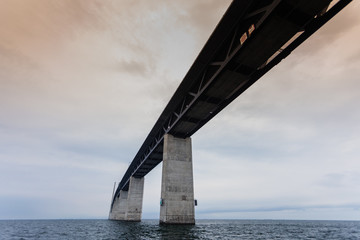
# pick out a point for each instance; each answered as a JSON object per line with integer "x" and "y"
{"x": 203, "y": 229}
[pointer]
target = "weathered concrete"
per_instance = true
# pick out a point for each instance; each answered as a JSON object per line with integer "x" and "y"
{"x": 135, "y": 199}
{"x": 177, "y": 187}
{"x": 118, "y": 211}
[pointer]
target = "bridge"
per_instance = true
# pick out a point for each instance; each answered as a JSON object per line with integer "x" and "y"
{"x": 251, "y": 38}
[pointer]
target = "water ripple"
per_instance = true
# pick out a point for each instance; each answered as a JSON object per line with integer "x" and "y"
{"x": 204, "y": 229}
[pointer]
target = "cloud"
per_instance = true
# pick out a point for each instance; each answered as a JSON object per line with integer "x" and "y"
{"x": 10, "y": 58}
{"x": 133, "y": 67}
{"x": 347, "y": 179}
{"x": 13, "y": 207}
{"x": 291, "y": 213}
{"x": 340, "y": 25}
{"x": 202, "y": 15}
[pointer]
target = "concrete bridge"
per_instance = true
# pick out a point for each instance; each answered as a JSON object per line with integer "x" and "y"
{"x": 251, "y": 38}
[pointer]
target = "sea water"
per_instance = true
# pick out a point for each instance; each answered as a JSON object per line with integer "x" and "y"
{"x": 204, "y": 229}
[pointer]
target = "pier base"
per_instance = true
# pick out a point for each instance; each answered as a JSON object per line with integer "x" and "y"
{"x": 177, "y": 187}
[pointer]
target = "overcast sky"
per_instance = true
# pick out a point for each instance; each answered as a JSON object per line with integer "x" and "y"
{"x": 83, "y": 82}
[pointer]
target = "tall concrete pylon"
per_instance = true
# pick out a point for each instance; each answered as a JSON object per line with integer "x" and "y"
{"x": 177, "y": 186}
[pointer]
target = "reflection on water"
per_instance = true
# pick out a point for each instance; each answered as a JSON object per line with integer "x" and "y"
{"x": 149, "y": 229}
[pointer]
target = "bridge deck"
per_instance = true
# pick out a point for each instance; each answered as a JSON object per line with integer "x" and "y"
{"x": 251, "y": 38}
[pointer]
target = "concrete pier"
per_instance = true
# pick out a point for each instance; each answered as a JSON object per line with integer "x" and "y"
{"x": 135, "y": 199}
{"x": 118, "y": 211}
{"x": 177, "y": 187}
{"x": 128, "y": 206}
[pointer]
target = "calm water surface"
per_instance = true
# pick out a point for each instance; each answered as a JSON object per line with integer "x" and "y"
{"x": 204, "y": 229}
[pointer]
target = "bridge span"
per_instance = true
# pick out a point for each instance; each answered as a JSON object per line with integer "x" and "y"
{"x": 251, "y": 38}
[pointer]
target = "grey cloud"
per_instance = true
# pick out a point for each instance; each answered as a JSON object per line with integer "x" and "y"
{"x": 13, "y": 207}
{"x": 13, "y": 64}
{"x": 340, "y": 179}
{"x": 11, "y": 57}
{"x": 133, "y": 67}
{"x": 28, "y": 207}
{"x": 354, "y": 58}
{"x": 106, "y": 150}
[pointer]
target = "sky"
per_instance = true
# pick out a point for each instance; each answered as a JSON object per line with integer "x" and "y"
{"x": 82, "y": 82}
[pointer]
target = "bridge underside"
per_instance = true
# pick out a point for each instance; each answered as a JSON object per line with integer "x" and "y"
{"x": 251, "y": 38}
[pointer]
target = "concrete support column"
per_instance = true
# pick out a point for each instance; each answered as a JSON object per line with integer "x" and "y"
{"x": 119, "y": 208}
{"x": 135, "y": 199}
{"x": 177, "y": 187}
